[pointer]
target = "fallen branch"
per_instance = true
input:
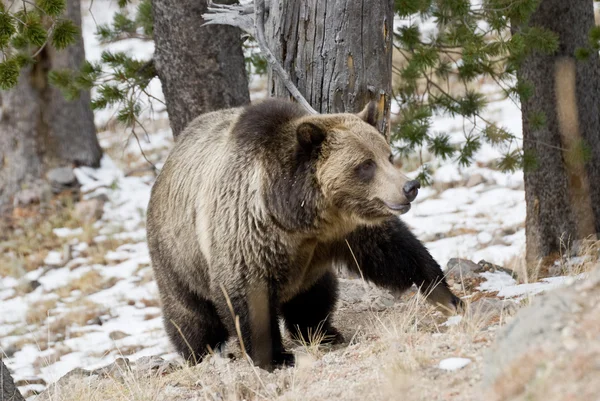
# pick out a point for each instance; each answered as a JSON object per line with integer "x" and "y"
{"x": 241, "y": 16}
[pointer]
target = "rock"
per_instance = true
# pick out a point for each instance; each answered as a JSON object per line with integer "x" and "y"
{"x": 464, "y": 274}
{"x": 116, "y": 370}
{"x": 490, "y": 267}
{"x": 61, "y": 178}
{"x": 7, "y": 385}
{"x": 88, "y": 211}
{"x": 61, "y": 389}
{"x": 154, "y": 366}
{"x": 460, "y": 269}
{"x": 550, "y": 350}
{"x": 117, "y": 335}
{"x": 492, "y": 307}
{"x": 475, "y": 180}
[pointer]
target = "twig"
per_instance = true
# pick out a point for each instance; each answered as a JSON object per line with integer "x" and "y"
{"x": 240, "y": 17}
{"x": 259, "y": 25}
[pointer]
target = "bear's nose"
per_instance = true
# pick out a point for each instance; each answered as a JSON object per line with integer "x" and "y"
{"x": 411, "y": 189}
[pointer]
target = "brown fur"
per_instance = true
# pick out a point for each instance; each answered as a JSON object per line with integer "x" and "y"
{"x": 258, "y": 202}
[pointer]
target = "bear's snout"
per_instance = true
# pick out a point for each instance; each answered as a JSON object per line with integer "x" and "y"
{"x": 411, "y": 189}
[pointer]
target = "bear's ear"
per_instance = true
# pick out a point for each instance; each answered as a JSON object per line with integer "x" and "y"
{"x": 310, "y": 135}
{"x": 370, "y": 114}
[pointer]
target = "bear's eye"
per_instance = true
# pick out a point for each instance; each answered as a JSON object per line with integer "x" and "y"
{"x": 366, "y": 170}
{"x": 391, "y": 158}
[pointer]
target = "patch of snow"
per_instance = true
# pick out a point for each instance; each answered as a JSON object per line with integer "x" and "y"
{"x": 496, "y": 281}
{"x": 8, "y": 282}
{"x": 57, "y": 278}
{"x": 545, "y": 284}
{"x": 453, "y": 321}
{"x": 507, "y": 287}
{"x": 54, "y": 258}
{"x": 451, "y": 364}
{"x": 67, "y": 232}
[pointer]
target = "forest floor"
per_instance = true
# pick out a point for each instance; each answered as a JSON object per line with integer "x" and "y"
{"x": 76, "y": 287}
{"x": 77, "y": 292}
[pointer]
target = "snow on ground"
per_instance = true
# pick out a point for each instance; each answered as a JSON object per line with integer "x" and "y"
{"x": 453, "y": 363}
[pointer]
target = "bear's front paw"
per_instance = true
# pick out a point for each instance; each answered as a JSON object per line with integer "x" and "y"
{"x": 459, "y": 305}
{"x": 332, "y": 336}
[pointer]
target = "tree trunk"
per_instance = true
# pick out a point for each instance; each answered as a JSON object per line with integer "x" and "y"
{"x": 8, "y": 390}
{"x": 39, "y": 129}
{"x": 563, "y": 191}
{"x": 337, "y": 52}
{"x": 201, "y": 68}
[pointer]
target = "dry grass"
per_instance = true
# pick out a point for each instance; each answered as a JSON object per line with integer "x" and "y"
{"x": 79, "y": 313}
{"x": 390, "y": 353}
{"x": 39, "y": 311}
{"x": 26, "y": 236}
{"x": 88, "y": 283}
{"x": 572, "y": 260}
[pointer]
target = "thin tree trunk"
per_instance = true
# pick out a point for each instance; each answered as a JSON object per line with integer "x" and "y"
{"x": 337, "y": 52}
{"x": 563, "y": 191}
{"x": 39, "y": 129}
{"x": 201, "y": 68}
{"x": 8, "y": 390}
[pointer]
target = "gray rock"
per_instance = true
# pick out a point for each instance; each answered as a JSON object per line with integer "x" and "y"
{"x": 154, "y": 366}
{"x": 7, "y": 385}
{"x": 460, "y": 269}
{"x": 117, "y": 335}
{"x": 56, "y": 390}
{"x": 463, "y": 269}
{"x": 117, "y": 370}
{"x": 490, "y": 267}
{"x": 61, "y": 178}
{"x": 548, "y": 333}
{"x": 542, "y": 321}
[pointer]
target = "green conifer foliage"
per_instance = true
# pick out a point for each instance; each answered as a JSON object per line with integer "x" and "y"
{"x": 461, "y": 42}
{"x": 25, "y": 29}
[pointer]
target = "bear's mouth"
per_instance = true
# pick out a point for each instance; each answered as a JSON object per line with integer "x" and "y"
{"x": 398, "y": 208}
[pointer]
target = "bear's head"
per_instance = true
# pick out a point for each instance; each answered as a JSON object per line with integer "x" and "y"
{"x": 354, "y": 165}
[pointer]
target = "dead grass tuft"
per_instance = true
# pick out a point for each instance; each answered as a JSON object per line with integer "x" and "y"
{"x": 80, "y": 313}
{"x": 88, "y": 283}
{"x": 26, "y": 237}
{"x": 39, "y": 311}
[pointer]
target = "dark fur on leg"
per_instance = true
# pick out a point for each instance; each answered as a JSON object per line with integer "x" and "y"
{"x": 193, "y": 325}
{"x": 310, "y": 311}
{"x": 390, "y": 256}
{"x": 258, "y": 325}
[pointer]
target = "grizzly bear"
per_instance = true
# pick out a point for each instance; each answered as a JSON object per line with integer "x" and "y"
{"x": 253, "y": 208}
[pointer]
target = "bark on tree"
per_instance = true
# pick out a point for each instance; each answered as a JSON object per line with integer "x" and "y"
{"x": 39, "y": 128}
{"x": 563, "y": 191}
{"x": 8, "y": 390}
{"x": 337, "y": 52}
{"x": 201, "y": 68}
